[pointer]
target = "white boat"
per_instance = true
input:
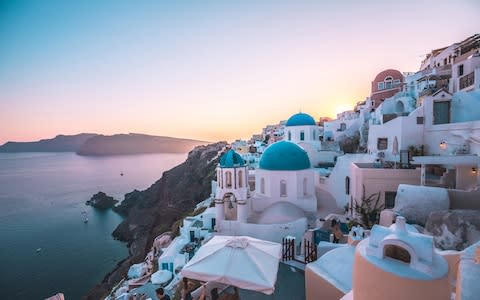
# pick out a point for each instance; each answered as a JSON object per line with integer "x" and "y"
{"x": 85, "y": 218}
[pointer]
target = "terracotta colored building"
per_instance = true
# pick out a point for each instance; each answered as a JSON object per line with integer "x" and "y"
{"x": 386, "y": 84}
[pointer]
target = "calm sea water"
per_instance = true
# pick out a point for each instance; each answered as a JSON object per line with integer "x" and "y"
{"x": 42, "y": 196}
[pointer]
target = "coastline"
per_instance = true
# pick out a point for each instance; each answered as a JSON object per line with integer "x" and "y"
{"x": 153, "y": 211}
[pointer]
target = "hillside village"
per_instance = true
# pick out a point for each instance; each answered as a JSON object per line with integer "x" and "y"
{"x": 389, "y": 188}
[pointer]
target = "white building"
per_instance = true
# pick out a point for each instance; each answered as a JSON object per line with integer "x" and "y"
{"x": 283, "y": 197}
{"x": 302, "y": 129}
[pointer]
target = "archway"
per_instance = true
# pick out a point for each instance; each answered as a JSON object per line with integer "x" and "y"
{"x": 397, "y": 253}
{"x": 230, "y": 206}
{"x": 399, "y": 107}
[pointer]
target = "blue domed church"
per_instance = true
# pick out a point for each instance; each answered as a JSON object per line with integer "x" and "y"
{"x": 284, "y": 194}
{"x": 302, "y": 129}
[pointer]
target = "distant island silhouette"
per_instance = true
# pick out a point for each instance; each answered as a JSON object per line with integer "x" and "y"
{"x": 99, "y": 145}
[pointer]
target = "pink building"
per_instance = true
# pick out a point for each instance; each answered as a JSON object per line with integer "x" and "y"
{"x": 386, "y": 84}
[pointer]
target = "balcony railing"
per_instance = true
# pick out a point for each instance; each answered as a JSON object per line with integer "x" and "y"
{"x": 467, "y": 80}
{"x": 441, "y": 70}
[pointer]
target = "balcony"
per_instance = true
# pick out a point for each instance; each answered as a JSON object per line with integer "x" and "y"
{"x": 466, "y": 81}
{"x": 445, "y": 70}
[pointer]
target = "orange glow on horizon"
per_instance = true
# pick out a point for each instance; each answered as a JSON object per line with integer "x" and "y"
{"x": 210, "y": 72}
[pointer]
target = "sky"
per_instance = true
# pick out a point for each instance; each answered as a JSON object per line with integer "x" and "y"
{"x": 209, "y": 70}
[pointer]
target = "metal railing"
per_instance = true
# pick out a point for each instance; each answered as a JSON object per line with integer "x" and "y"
{"x": 466, "y": 80}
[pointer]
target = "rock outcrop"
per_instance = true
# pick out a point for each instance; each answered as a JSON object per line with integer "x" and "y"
{"x": 454, "y": 229}
{"x": 153, "y": 211}
{"x": 101, "y": 201}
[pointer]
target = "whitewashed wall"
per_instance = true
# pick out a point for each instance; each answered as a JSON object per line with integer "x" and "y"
{"x": 268, "y": 232}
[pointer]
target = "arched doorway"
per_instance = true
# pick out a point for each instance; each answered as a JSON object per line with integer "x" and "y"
{"x": 230, "y": 206}
{"x": 399, "y": 107}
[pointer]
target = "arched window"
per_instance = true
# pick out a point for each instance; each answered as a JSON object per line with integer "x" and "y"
{"x": 305, "y": 182}
{"x": 228, "y": 174}
{"x": 240, "y": 179}
{"x": 397, "y": 253}
{"x": 347, "y": 185}
{"x": 283, "y": 188}
{"x": 221, "y": 179}
{"x": 302, "y": 135}
{"x": 262, "y": 185}
{"x": 388, "y": 82}
{"x": 289, "y": 136}
{"x": 314, "y": 135}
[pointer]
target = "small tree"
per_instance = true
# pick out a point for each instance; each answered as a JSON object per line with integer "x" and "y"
{"x": 369, "y": 209}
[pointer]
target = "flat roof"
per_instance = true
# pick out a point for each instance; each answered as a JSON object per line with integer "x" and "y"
{"x": 456, "y": 160}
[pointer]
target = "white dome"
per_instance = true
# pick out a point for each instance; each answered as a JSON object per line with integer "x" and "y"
{"x": 281, "y": 212}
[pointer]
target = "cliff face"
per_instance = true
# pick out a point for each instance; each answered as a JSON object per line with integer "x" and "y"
{"x": 134, "y": 144}
{"x": 153, "y": 211}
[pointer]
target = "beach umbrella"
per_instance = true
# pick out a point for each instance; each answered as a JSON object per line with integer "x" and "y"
{"x": 241, "y": 261}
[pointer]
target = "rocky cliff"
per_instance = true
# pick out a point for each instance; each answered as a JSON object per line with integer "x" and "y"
{"x": 149, "y": 213}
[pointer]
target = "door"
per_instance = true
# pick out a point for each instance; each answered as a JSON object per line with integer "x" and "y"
{"x": 192, "y": 235}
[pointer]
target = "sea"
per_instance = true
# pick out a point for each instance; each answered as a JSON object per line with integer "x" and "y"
{"x": 45, "y": 245}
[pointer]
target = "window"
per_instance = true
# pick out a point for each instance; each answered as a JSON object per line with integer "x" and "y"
{"x": 347, "y": 185}
{"x": 314, "y": 135}
{"x": 388, "y": 82}
{"x": 343, "y": 126}
{"x": 289, "y": 136}
{"x": 382, "y": 143}
{"x": 302, "y": 135}
{"x": 228, "y": 174}
{"x": 262, "y": 186}
{"x": 419, "y": 120}
{"x": 441, "y": 112}
{"x": 397, "y": 253}
{"x": 390, "y": 199}
{"x": 396, "y": 82}
{"x": 240, "y": 179}
{"x": 305, "y": 182}
{"x": 283, "y": 188}
{"x": 460, "y": 70}
{"x": 381, "y": 86}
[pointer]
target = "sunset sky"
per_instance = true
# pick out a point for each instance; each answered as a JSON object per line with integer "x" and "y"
{"x": 210, "y": 70}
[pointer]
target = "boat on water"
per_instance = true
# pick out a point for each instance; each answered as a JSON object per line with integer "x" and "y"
{"x": 38, "y": 250}
{"x": 85, "y": 217}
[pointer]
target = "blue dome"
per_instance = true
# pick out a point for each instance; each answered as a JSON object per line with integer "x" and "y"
{"x": 284, "y": 156}
{"x": 231, "y": 159}
{"x": 301, "y": 119}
